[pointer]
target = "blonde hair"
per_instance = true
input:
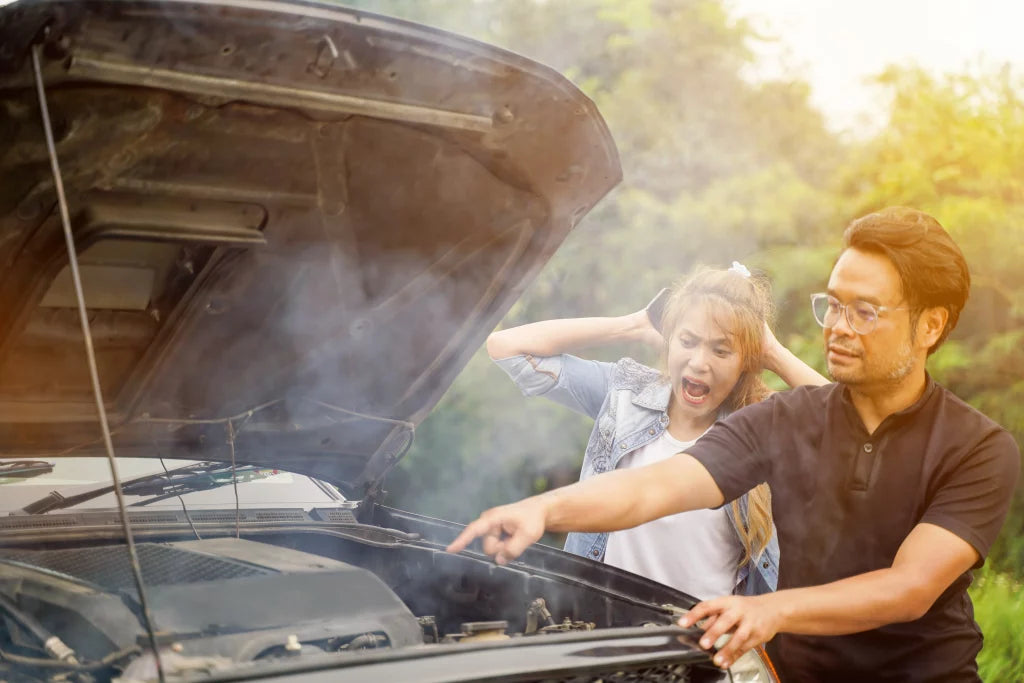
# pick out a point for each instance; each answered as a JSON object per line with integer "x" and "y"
{"x": 740, "y": 305}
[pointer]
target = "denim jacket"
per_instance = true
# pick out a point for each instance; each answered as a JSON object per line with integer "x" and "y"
{"x": 628, "y": 402}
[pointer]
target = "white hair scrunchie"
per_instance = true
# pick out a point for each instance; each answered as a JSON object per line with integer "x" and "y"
{"x": 738, "y": 267}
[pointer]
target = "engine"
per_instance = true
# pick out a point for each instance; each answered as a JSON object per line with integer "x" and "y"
{"x": 214, "y": 603}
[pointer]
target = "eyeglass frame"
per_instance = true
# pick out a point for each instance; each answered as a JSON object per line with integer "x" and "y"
{"x": 844, "y": 310}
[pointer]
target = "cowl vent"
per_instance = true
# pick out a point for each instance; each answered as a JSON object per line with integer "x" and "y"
{"x": 108, "y": 567}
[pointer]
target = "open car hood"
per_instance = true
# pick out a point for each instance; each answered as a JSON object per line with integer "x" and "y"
{"x": 296, "y": 222}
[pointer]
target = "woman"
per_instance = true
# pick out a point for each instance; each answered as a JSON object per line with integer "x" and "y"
{"x": 716, "y": 342}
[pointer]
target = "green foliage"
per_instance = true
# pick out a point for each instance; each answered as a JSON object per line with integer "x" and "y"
{"x": 954, "y": 147}
{"x": 717, "y": 168}
{"x": 999, "y": 610}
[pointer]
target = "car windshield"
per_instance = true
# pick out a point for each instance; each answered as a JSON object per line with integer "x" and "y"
{"x": 73, "y": 476}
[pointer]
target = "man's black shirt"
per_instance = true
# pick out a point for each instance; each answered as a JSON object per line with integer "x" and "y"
{"x": 844, "y": 500}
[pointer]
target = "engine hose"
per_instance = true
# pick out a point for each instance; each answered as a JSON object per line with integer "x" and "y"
{"x": 109, "y": 660}
{"x": 53, "y": 645}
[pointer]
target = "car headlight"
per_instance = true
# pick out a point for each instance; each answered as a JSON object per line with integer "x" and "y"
{"x": 753, "y": 667}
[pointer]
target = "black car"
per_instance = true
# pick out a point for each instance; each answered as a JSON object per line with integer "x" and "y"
{"x": 293, "y": 224}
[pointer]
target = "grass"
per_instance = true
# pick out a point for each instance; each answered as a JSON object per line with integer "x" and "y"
{"x": 999, "y": 610}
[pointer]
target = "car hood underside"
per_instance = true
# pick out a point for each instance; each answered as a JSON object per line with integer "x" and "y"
{"x": 295, "y": 224}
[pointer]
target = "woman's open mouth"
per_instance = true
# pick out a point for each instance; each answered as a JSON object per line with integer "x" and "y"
{"x": 693, "y": 392}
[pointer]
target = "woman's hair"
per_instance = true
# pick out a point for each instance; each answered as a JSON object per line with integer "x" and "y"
{"x": 740, "y": 305}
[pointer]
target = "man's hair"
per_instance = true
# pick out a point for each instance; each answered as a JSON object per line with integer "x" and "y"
{"x": 932, "y": 269}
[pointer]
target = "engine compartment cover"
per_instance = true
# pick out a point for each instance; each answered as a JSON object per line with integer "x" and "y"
{"x": 230, "y": 597}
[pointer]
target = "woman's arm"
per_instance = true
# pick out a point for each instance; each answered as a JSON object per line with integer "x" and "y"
{"x": 786, "y": 365}
{"x": 552, "y": 337}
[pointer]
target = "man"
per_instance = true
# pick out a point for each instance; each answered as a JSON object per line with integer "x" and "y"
{"x": 887, "y": 489}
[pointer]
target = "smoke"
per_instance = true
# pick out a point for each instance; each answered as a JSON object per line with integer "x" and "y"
{"x": 486, "y": 445}
{"x": 395, "y": 244}
{"x": 393, "y": 247}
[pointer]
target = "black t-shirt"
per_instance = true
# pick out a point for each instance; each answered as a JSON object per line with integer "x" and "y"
{"x": 844, "y": 500}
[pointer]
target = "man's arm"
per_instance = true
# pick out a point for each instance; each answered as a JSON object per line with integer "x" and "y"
{"x": 928, "y": 561}
{"x": 608, "y": 502}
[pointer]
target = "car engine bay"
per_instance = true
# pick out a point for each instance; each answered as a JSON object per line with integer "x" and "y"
{"x": 218, "y": 603}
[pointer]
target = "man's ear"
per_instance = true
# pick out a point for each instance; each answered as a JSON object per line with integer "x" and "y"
{"x": 930, "y": 325}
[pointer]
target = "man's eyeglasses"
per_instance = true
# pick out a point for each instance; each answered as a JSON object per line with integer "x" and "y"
{"x": 861, "y": 315}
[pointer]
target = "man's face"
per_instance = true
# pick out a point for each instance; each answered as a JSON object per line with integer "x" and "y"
{"x": 702, "y": 362}
{"x": 888, "y": 353}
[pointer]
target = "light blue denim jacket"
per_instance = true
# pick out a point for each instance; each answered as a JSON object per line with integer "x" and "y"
{"x": 628, "y": 402}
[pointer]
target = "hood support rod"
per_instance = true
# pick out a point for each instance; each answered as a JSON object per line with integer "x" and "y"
{"x": 91, "y": 356}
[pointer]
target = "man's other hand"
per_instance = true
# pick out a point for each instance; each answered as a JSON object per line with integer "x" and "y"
{"x": 752, "y": 621}
{"x": 506, "y": 531}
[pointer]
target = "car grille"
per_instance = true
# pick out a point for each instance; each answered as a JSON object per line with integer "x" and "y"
{"x": 663, "y": 673}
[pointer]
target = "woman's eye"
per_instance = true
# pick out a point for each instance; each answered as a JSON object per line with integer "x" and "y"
{"x": 723, "y": 353}
{"x": 688, "y": 343}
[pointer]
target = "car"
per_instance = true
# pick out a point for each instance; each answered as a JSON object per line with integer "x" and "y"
{"x": 293, "y": 224}
{"x": 84, "y": 483}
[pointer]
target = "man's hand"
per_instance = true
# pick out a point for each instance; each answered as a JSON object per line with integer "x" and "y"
{"x": 507, "y": 530}
{"x": 926, "y": 564}
{"x": 752, "y": 621}
{"x": 611, "y": 501}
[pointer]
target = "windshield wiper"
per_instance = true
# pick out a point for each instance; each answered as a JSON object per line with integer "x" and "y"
{"x": 24, "y": 469}
{"x": 195, "y": 477}
{"x": 180, "y": 484}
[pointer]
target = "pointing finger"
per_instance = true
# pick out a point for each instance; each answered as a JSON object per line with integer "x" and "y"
{"x": 519, "y": 541}
{"x": 468, "y": 535}
{"x": 492, "y": 544}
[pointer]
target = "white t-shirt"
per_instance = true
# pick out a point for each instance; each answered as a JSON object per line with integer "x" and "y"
{"x": 696, "y": 552}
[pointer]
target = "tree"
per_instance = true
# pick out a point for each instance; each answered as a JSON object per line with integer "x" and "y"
{"x": 954, "y": 147}
{"x": 716, "y": 168}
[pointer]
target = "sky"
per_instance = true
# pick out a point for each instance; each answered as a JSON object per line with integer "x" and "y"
{"x": 836, "y": 44}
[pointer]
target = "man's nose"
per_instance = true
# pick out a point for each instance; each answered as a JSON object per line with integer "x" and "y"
{"x": 841, "y": 327}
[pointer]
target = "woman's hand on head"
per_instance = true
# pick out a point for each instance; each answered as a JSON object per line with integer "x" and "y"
{"x": 644, "y": 331}
{"x": 785, "y": 364}
{"x": 770, "y": 351}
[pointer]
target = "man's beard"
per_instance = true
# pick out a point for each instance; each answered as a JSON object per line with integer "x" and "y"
{"x": 899, "y": 367}
{"x": 904, "y": 364}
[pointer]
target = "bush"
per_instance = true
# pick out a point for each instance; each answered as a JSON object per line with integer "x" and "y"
{"x": 999, "y": 610}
